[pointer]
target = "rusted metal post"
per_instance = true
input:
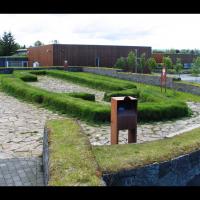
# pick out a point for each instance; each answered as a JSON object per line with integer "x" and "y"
{"x": 123, "y": 116}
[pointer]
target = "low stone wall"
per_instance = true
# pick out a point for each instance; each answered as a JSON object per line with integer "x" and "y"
{"x": 142, "y": 78}
{"x": 186, "y": 88}
{"x": 45, "y": 157}
{"x": 180, "y": 171}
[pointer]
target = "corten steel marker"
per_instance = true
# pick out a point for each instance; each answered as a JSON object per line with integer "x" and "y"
{"x": 163, "y": 78}
{"x": 65, "y": 64}
{"x": 123, "y": 116}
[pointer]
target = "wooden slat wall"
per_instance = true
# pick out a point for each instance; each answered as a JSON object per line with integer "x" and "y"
{"x": 185, "y": 58}
{"x": 85, "y": 55}
{"x": 42, "y": 54}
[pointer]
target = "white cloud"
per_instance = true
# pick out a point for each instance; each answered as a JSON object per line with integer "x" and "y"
{"x": 156, "y": 30}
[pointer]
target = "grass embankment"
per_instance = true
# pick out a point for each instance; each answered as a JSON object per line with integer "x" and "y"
{"x": 128, "y": 156}
{"x": 72, "y": 162}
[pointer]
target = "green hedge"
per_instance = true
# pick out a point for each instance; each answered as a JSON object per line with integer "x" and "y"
{"x": 163, "y": 110}
{"x": 86, "y": 110}
{"x": 94, "y": 81}
{"x": 82, "y": 95}
{"x": 25, "y": 76}
{"x": 158, "y": 109}
{"x": 130, "y": 92}
{"x": 38, "y": 72}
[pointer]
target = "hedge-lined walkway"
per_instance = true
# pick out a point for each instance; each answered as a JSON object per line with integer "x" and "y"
{"x": 52, "y": 83}
{"x": 21, "y": 133}
{"x": 100, "y": 135}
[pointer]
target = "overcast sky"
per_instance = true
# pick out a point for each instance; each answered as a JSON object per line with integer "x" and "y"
{"x": 160, "y": 31}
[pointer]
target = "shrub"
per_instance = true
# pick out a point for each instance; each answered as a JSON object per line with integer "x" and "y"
{"x": 151, "y": 63}
{"x": 85, "y": 96}
{"x": 38, "y": 72}
{"x": 131, "y": 60}
{"x": 130, "y": 92}
{"x": 89, "y": 111}
{"x": 158, "y": 109}
{"x": 121, "y": 63}
{"x": 162, "y": 111}
{"x": 93, "y": 81}
{"x": 25, "y": 76}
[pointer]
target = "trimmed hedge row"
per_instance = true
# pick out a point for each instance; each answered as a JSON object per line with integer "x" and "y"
{"x": 25, "y": 76}
{"x": 82, "y": 95}
{"x": 130, "y": 92}
{"x": 162, "y": 111}
{"x": 97, "y": 82}
{"x": 86, "y": 110}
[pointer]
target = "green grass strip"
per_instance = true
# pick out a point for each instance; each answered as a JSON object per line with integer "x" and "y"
{"x": 72, "y": 162}
{"x": 114, "y": 158}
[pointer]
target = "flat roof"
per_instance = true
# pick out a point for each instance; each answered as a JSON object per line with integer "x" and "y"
{"x": 94, "y": 45}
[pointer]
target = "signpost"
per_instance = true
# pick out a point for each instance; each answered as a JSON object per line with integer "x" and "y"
{"x": 163, "y": 78}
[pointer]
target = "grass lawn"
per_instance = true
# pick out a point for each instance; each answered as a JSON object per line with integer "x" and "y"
{"x": 113, "y": 158}
{"x": 72, "y": 162}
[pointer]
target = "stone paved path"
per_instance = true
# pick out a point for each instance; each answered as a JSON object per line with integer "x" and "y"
{"x": 21, "y": 133}
{"x": 100, "y": 135}
{"x": 65, "y": 87}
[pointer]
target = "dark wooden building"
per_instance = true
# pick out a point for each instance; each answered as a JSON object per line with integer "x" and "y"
{"x": 185, "y": 58}
{"x": 82, "y": 55}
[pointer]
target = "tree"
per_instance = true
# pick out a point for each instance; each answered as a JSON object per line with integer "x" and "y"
{"x": 54, "y": 42}
{"x": 38, "y": 43}
{"x": 195, "y": 70}
{"x": 121, "y": 63}
{"x": 167, "y": 62}
{"x": 131, "y": 60}
{"x": 8, "y": 46}
{"x": 142, "y": 62}
{"x": 151, "y": 63}
{"x": 178, "y": 66}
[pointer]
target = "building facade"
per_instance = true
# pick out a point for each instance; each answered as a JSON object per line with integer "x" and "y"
{"x": 82, "y": 55}
{"x": 186, "y": 59}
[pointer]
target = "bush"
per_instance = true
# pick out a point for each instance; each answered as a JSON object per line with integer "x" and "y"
{"x": 130, "y": 92}
{"x": 176, "y": 79}
{"x": 171, "y": 71}
{"x": 89, "y": 111}
{"x": 121, "y": 63}
{"x": 162, "y": 111}
{"x": 25, "y": 76}
{"x": 38, "y": 72}
{"x": 158, "y": 109}
{"x": 93, "y": 81}
{"x": 85, "y": 96}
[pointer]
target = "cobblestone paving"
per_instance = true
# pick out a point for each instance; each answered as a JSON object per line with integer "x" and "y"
{"x": 100, "y": 135}
{"x": 65, "y": 87}
{"x": 21, "y": 133}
